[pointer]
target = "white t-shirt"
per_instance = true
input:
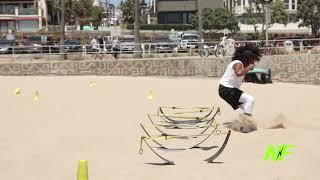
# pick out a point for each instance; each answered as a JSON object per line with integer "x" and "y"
{"x": 94, "y": 43}
{"x": 224, "y": 39}
{"x": 115, "y": 43}
{"x": 230, "y": 78}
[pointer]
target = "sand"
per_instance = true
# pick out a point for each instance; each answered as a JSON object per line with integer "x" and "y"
{"x": 97, "y": 119}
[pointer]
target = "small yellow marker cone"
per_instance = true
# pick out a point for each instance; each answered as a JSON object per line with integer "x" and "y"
{"x": 17, "y": 91}
{"x": 36, "y": 96}
{"x": 92, "y": 83}
{"x": 82, "y": 170}
{"x": 150, "y": 95}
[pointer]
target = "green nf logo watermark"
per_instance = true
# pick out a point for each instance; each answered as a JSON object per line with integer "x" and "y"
{"x": 278, "y": 152}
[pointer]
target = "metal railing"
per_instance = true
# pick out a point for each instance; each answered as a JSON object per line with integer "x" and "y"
{"x": 7, "y": 11}
{"x": 28, "y": 11}
{"x": 152, "y": 49}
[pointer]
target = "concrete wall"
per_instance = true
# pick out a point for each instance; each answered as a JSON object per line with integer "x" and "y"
{"x": 167, "y": 6}
{"x": 287, "y": 68}
{"x": 189, "y": 5}
{"x": 213, "y": 4}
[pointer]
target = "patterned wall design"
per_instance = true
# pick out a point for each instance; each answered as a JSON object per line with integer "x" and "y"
{"x": 295, "y": 68}
{"x": 287, "y": 68}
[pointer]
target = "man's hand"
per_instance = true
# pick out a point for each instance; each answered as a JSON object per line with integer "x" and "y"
{"x": 251, "y": 66}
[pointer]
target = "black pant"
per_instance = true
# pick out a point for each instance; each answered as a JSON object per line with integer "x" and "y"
{"x": 231, "y": 96}
{"x": 115, "y": 52}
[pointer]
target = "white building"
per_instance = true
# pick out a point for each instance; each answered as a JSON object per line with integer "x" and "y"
{"x": 241, "y": 5}
{"x": 239, "y": 8}
{"x": 101, "y": 3}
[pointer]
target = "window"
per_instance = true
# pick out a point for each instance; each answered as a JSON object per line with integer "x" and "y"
{"x": 6, "y": 25}
{"x": 286, "y": 4}
{"x": 176, "y": 0}
{"x": 28, "y": 25}
{"x": 28, "y": 5}
{"x": 128, "y": 40}
{"x": 293, "y": 4}
{"x": 189, "y": 17}
{"x": 3, "y": 26}
{"x": 238, "y": 2}
{"x": 175, "y": 17}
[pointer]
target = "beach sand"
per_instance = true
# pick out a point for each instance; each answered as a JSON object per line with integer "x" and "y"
{"x": 71, "y": 121}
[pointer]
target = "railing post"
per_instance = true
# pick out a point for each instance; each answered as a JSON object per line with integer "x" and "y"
{"x": 50, "y": 60}
{"x": 301, "y": 46}
{"x": 143, "y": 49}
{"x": 12, "y": 50}
{"x": 16, "y": 11}
{"x": 49, "y": 53}
{"x": 83, "y": 50}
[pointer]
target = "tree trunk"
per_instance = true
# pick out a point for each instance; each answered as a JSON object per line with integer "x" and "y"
{"x": 59, "y": 17}
{"x": 315, "y": 29}
{"x": 200, "y": 25}
{"x": 256, "y": 32}
{"x": 53, "y": 14}
{"x": 137, "y": 47}
{"x": 62, "y": 28}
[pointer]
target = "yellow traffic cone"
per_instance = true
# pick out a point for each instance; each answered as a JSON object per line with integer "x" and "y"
{"x": 92, "y": 83}
{"x": 150, "y": 95}
{"x": 36, "y": 96}
{"x": 17, "y": 91}
{"x": 82, "y": 170}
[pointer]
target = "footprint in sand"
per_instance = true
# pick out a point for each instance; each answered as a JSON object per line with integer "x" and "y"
{"x": 246, "y": 124}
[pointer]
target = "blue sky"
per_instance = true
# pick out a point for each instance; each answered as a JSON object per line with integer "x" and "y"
{"x": 115, "y": 2}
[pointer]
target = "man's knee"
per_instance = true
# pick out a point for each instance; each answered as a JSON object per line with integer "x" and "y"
{"x": 251, "y": 100}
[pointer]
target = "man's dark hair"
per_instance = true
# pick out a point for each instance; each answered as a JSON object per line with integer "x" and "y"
{"x": 247, "y": 53}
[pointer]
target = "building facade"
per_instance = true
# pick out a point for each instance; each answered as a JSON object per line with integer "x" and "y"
{"x": 181, "y": 11}
{"x": 101, "y": 3}
{"x": 23, "y": 15}
{"x": 229, "y": 4}
{"x": 238, "y": 7}
{"x": 241, "y": 5}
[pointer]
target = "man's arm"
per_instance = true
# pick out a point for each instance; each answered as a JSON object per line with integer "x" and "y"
{"x": 240, "y": 71}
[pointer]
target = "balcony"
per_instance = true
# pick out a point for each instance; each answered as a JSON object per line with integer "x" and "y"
{"x": 7, "y": 11}
{"x": 20, "y": 12}
{"x": 28, "y": 11}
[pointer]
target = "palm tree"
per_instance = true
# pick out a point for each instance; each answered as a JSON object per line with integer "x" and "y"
{"x": 74, "y": 10}
{"x": 137, "y": 47}
{"x": 62, "y": 28}
{"x": 54, "y": 8}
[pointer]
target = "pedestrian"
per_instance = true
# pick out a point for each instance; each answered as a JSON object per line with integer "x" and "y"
{"x": 115, "y": 47}
{"x": 95, "y": 46}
